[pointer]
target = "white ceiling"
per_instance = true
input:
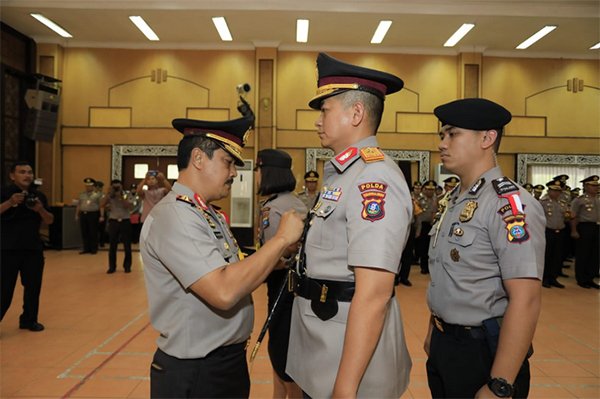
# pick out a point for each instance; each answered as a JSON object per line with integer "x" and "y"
{"x": 335, "y": 25}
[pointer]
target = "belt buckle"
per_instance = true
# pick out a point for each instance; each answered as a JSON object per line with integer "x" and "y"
{"x": 438, "y": 324}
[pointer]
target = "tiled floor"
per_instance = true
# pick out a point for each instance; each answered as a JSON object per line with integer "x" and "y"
{"x": 98, "y": 342}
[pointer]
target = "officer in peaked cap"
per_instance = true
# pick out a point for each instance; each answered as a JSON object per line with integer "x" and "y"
{"x": 311, "y": 189}
{"x": 575, "y": 193}
{"x": 556, "y": 212}
{"x": 528, "y": 187}
{"x": 198, "y": 283}
{"x": 87, "y": 213}
{"x": 365, "y": 195}
{"x": 538, "y": 189}
{"x": 450, "y": 183}
{"x": 585, "y": 225}
{"x": 485, "y": 250}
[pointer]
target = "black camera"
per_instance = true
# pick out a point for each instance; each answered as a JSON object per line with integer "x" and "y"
{"x": 30, "y": 199}
{"x": 153, "y": 173}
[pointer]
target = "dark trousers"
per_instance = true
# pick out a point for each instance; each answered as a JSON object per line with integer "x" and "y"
{"x": 407, "y": 256}
{"x": 587, "y": 257}
{"x": 223, "y": 373}
{"x": 119, "y": 230}
{"x": 88, "y": 222}
{"x": 458, "y": 366}
{"x": 423, "y": 246}
{"x": 30, "y": 263}
{"x": 554, "y": 254}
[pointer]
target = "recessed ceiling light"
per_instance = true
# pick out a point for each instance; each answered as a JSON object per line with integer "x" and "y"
{"x": 381, "y": 31}
{"x": 222, "y": 28}
{"x": 458, "y": 35}
{"x": 595, "y": 47}
{"x": 536, "y": 36}
{"x": 302, "y": 30}
{"x": 52, "y": 25}
{"x": 144, "y": 27}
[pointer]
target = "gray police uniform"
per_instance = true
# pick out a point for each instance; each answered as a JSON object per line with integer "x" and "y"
{"x": 307, "y": 199}
{"x": 479, "y": 242}
{"x": 89, "y": 215}
{"x": 279, "y": 327}
{"x": 182, "y": 240}
{"x": 362, "y": 215}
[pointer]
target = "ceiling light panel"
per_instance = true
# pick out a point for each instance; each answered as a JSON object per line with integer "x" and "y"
{"x": 458, "y": 35}
{"x": 380, "y": 32}
{"x": 302, "y": 30}
{"x": 52, "y": 25}
{"x": 144, "y": 27}
{"x": 222, "y": 28}
{"x": 536, "y": 36}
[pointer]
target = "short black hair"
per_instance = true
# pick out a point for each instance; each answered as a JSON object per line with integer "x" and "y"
{"x": 13, "y": 167}
{"x": 373, "y": 105}
{"x": 188, "y": 143}
{"x": 275, "y": 180}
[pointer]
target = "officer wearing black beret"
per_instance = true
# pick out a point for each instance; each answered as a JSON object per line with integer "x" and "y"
{"x": 354, "y": 242}
{"x": 556, "y": 212}
{"x": 585, "y": 226}
{"x": 428, "y": 203}
{"x": 528, "y": 187}
{"x": 486, "y": 263}
{"x": 197, "y": 281}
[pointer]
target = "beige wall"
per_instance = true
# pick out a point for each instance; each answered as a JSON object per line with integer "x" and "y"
{"x": 128, "y": 97}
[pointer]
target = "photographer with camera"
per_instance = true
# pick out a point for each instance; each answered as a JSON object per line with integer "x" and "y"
{"x": 157, "y": 187}
{"x": 22, "y": 211}
{"x": 119, "y": 224}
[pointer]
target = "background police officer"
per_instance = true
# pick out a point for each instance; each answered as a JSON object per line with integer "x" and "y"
{"x": 88, "y": 215}
{"x": 584, "y": 229}
{"x": 555, "y": 211}
{"x": 198, "y": 286}
{"x": 486, "y": 262}
{"x": 311, "y": 189}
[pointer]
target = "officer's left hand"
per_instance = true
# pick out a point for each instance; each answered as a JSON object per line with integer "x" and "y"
{"x": 38, "y": 206}
{"x": 484, "y": 392}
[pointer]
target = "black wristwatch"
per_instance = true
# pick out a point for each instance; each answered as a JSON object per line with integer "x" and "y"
{"x": 500, "y": 387}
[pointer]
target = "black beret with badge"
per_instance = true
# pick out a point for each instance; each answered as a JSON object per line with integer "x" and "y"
{"x": 311, "y": 175}
{"x": 230, "y": 135}
{"x": 336, "y": 77}
{"x": 273, "y": 158}
{"x": 473, "y": 114}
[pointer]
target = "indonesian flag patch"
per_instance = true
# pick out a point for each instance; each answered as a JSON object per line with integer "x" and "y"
{"x": 373, "y": 194}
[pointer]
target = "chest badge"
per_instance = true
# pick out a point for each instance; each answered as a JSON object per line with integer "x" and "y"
{"x": 454, "y": 255}
{"x": 458, "y": 232}
{"x": 468, "y": 211}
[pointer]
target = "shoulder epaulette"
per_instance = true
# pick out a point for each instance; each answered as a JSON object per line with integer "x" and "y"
{"x": 475, "y": 187}
{"x": 504, "y": 185}
{"x": 185, "y": 198}
{"x": 371, "y": 154}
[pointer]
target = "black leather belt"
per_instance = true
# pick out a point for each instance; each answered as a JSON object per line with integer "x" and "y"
{"x": 458, "y": 331}
{"x": 556, "y": 231}
{"x": 322, "y": 290}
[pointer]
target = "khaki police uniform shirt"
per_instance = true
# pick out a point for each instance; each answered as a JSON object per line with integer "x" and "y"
{"x": 363, "y": 212}
{"x": 182, "y": 241}
{"x": 586, "y": 209}
{"x": 308, "y": 199}
{"x": 89, "y": 201}
{"x": 271, "y": 210}
{"x": 481, "y": 240}
{"x": 555, "y": 213}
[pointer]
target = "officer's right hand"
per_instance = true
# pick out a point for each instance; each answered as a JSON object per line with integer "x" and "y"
{"x": 575, "y": 235}
{"x": 290, "y": 227}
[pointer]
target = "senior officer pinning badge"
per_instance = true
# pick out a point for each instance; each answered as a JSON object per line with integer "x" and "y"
{"x": 468, "y": 211}
{"x": 373, "y": 194}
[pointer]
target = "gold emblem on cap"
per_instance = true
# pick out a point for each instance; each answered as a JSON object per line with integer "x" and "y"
{"x": 454, "y": 254}
{"x": 468, "y": 211}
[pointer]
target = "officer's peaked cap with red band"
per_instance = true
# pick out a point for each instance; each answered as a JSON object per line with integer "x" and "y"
{"x": 231, "y": 135}
{"x": 336, "y": 77}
